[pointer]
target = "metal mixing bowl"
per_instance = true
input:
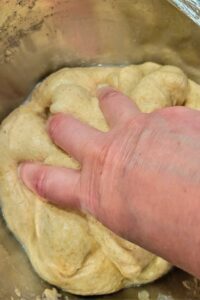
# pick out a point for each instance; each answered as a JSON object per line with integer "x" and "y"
{"x": 40, "y": 36}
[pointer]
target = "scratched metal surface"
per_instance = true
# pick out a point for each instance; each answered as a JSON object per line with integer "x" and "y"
{"x": 189, "y": 7}
{"x": 40, "y": 36}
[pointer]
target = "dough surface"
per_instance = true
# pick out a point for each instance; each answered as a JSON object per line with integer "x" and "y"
{"x": 70, "y": 249}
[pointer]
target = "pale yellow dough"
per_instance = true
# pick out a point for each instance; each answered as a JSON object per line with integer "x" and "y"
{"x": 70, "y": 249}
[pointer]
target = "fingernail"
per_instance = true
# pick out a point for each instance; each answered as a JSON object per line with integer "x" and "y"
{"x": 28, "y": 173}
{"x": 102, "y": 85}
{"x": 105, "y": 92}
{"x": 103, "y": 89}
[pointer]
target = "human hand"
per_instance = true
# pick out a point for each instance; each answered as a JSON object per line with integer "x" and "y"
{"x": 144, "y": 158}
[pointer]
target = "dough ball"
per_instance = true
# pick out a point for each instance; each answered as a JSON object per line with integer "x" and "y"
{"x": 66, "y": 248}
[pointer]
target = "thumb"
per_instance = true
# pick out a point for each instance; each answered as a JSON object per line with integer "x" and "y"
{"x": 57, "y": 185}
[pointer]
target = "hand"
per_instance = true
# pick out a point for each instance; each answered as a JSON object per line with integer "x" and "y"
{"x": 101, "y": 185}
{"x": 141, "y": 179}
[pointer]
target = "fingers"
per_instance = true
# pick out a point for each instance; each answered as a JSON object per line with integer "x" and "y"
{"x": 79, "y": 139}
{"x": 116, "y": 106}
{"x": 74, "y": 137}
{"x": 58, "y": 185}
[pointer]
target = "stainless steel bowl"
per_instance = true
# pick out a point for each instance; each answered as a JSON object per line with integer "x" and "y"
{"x": 40, "y": 36}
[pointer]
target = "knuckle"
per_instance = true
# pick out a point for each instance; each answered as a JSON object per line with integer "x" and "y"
{"x": 101, "y": 151}
{"x": 102, "y": 155}
{"x": 127, "y": 145}
{"x": 106, "y": 156}
{"x": 108, "y": 93}
{"x": 95, "y": 146}
{"x": 135, "y": 124}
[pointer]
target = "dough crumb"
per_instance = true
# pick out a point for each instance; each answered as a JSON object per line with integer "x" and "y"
{"x": 51, "y": 294}
{"x": 186, "y": 284}
{"x": 192, "y": 286}
{"x": 8, "y": 52}
{"x": 17, "y": 292}
{"x": 143, "y": 295}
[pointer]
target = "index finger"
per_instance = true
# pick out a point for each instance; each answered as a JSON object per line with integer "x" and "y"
{"x": 74, "y": 137}
{"x": 116, "y": 106}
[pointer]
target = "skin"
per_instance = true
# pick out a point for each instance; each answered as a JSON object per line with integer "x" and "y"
{"x": 141, "y": 179}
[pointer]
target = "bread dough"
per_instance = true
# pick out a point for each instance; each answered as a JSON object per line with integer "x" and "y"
{"x": 66, "y": 248}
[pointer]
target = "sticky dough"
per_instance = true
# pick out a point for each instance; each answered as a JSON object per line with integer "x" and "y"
{"x": 66, "y": 248}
